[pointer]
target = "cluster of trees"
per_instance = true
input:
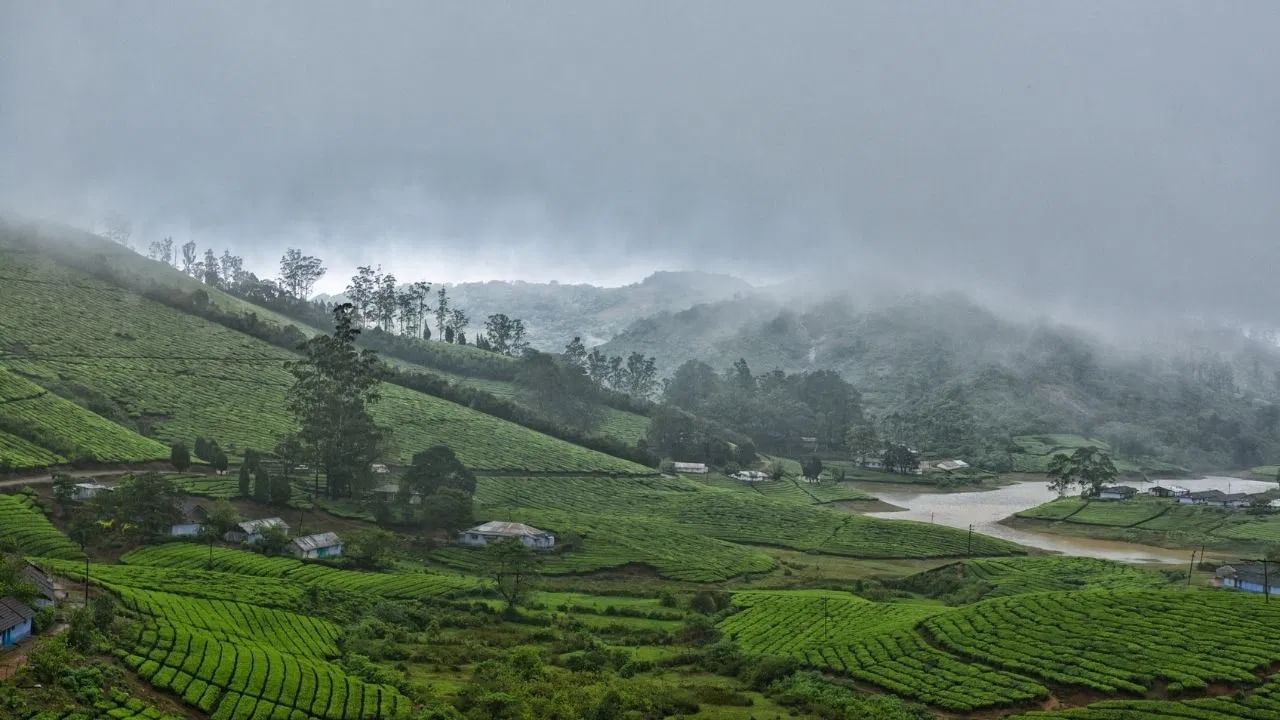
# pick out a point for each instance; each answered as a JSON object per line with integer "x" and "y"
{"x": 256, "y": 481}
{"x": 436, "y": 492}
{"x": 378, "y": 301}
{"x": 635, "y": 375}
{"x": 675, "y": 433}
{"x": 775, "y": 409}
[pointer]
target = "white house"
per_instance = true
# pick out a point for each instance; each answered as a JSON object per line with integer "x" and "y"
{"x": 689, "y": 468}
{"x": 193, "y": 516}
{"x": 320, "y": 545}
{"x": 951, "y": 465}
{"x": 250, "y": 531}
{"x": 751, "y": 476}
{"x": 88, "y": 490}
{"x": 380, "y": 469}
{"x": 493, "y": 531}
{"x": 1249, "y": 577}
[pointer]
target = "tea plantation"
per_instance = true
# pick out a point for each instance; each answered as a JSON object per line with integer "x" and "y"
{"x": 41, "y": 429}
{"x": 1013, "y": 649}
{"x": 190, "y": 378}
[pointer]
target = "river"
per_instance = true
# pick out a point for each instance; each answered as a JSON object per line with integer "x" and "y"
{"x": 984, "y": 509}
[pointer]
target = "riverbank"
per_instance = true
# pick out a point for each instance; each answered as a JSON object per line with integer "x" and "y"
{"x": 986, "y": 510}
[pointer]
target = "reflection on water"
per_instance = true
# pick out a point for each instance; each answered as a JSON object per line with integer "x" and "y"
{"x": 985, "y": 509}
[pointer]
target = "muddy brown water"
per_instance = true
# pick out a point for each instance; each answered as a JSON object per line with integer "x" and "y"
{"x": 984, "y": 509}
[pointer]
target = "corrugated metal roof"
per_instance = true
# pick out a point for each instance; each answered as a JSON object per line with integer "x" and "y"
{"x": 507, "y": 529}
{"x": 317, "y": 541}
{"x": 13, "y": 612}
{"x": 37, "y": 577}
{"x": 256, "y": 526}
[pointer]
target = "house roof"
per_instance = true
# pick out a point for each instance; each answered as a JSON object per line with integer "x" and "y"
{"x": 1233, "y": 497}
{"x": 13, "y": 612}
{"x": 387, "y": 488}
{"x": 37, "y": 577}
{"x": 1119, "y": 490}
{"x": 1207, "y": 495}
{"x": 257, "y": 526}
{"x": 507, "y": 529}
{"x": 317, "y": 541}
{"x": 1249, "y": 572}
{"x": 690, "y": 464}
{"x": 92, "y": 486}
{"x": 194, "y": 510}
{"x": 951, "y": 465}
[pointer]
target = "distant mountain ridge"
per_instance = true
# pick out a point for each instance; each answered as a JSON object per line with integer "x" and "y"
{"x": 553, "y": 313}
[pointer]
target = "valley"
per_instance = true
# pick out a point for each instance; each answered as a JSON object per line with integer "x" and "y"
{"x": 763, "y": 577}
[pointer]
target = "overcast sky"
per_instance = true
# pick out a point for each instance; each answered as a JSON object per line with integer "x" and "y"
{"x": 1101, "y": 156}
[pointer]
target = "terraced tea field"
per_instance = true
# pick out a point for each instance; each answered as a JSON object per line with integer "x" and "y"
{"x": 1119, "y": 640}
{"x": 193, "y": 377}
{"x": 1010, "y": 649}
{"x": 24, "y": 525}
{"x": 180, "y": 556}
{"x": 1015, "y": 576}
{"x": 42, "y": 429}
{"x": 873, "y": 642}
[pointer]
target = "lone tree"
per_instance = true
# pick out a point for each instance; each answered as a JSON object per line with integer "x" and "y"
{"x": 1088, "y": 468}
{"x": 221, "y": 520}
{"x": 513, "y": 569}
{"x": 334, "y": 387}
{"x": 180, "y": 457}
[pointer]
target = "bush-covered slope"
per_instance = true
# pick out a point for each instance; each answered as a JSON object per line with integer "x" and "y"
{"x": 187, "y": 377}
{"x": 56, "y": 430}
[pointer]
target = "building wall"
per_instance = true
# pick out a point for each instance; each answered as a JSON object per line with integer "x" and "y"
{"x": 16, "y": 634}
{"x": 185, "y": 530}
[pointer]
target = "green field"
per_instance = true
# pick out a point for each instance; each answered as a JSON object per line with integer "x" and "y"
{"x": 23, "y": 524}
{"x": 179, "y": 556}
{"x": 59, "y": 431}
{"x": 1015, "y": 576}
{"x": 872, "y": 642}
{"x": 1001, "y": 651}
{"x": 1159, "y": 521}
{"x": 702, "y": 530}
{"x": 1119, "y": 640}
{"x": 190, "y": 377}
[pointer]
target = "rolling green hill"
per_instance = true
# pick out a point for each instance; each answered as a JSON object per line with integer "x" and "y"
{"x": 42, "y": 429}
{"x": 181, "y": 376}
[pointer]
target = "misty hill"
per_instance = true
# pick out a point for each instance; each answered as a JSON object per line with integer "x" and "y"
{"x": 961, "y": 378}
{"x": 555, "y": 313}
{"x": 164, "y": 371}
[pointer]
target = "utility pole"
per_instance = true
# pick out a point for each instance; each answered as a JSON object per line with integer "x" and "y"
{"x": 970, "y": 551}
{"x": 1192, "y": 568}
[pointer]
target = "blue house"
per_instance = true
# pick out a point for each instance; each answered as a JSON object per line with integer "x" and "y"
{"x": 1248, "y": 577}
{"x": 15, "y": 622}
